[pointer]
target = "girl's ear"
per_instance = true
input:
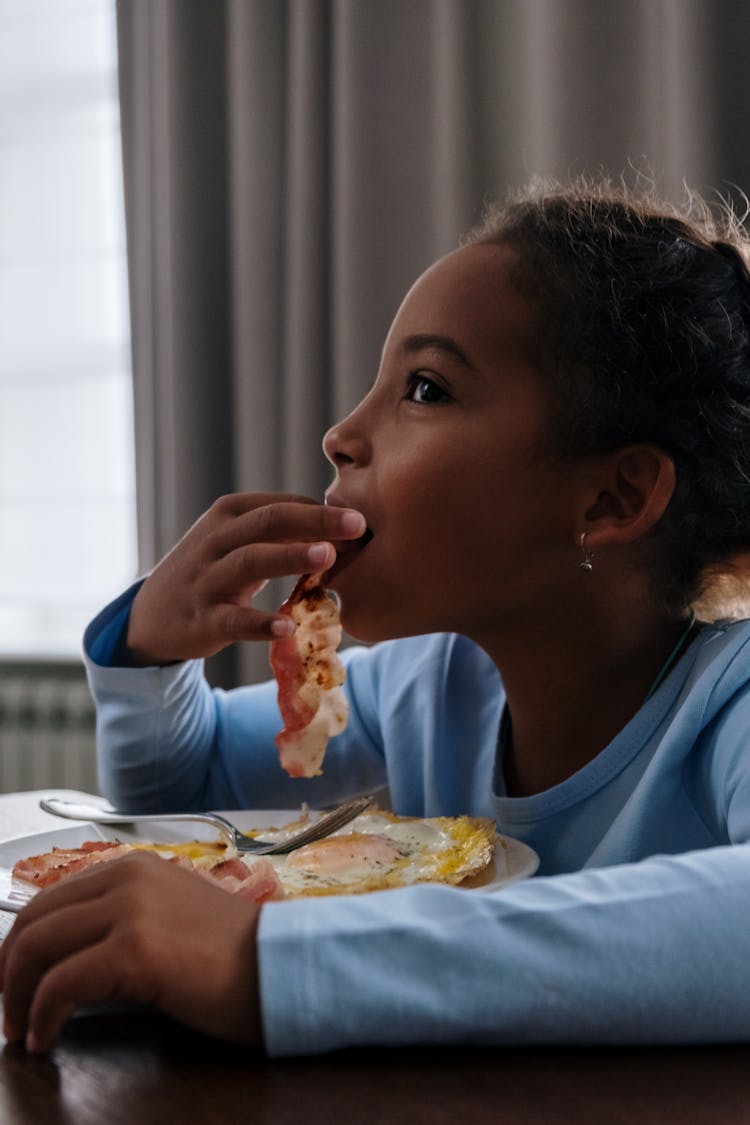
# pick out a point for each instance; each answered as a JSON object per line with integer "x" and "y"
{"x": 635, "y": 485}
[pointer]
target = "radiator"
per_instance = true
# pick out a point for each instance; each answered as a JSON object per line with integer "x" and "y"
{"x": 47, "y": 731}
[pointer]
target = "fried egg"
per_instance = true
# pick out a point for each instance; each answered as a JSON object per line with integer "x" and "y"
{"x": 379, "y": 850}
{"x": 200, "y": 853}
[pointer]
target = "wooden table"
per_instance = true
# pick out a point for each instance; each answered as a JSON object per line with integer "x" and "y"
{"x": 136, "y": 1067}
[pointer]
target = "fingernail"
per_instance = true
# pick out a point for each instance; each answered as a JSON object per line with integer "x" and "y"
{"x": 32, "y": 1043}
{"x": 318, "y": 553}
{"x": 353, "y": 523}
{"x": 282, "y": 627}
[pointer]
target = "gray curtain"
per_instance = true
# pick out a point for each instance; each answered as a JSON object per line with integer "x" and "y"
{"x": 292, "y": 165}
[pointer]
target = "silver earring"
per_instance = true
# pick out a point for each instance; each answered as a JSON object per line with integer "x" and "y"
{"x": 586, "y": 563}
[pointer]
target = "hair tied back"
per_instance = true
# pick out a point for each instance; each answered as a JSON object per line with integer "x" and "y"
{"x": 732, "y": 255}
{"x": 642, "y": 311}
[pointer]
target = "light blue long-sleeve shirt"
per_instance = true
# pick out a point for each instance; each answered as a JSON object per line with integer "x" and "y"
{"x": 634, "y": 930}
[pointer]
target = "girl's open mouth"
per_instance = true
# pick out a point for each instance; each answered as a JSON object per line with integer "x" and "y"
{"x": 347, "y": 551}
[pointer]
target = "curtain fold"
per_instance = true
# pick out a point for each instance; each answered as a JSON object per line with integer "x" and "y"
{"x": 292, "y": 165}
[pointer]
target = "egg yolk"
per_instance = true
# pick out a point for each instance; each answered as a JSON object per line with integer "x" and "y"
{"x": 336, "y": 854}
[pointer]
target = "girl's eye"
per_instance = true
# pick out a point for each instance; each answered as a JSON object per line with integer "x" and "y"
{"x": 424, "y": 390}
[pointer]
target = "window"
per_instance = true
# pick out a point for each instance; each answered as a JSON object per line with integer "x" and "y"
{"x": 67, "y": 504}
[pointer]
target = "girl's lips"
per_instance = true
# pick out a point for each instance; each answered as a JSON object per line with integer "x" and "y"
{"x": 344, "y": 546}
{"x": 346, "y": 551}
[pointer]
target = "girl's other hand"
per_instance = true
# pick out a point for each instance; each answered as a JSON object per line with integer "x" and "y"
{"x": 198, "y": 600}
{"x": 138, "y": 929}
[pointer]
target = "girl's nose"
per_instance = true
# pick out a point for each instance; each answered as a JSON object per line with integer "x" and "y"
{"x": 346, "y": 442}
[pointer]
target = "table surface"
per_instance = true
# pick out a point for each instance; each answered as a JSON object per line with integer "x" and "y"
{"x": 124, "y": 1067}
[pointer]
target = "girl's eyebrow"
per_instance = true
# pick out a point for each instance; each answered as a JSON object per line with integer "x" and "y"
{"x": 445, "y": 344}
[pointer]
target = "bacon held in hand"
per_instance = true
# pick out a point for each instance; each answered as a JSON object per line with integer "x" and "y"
{"x": 309, "y": 675}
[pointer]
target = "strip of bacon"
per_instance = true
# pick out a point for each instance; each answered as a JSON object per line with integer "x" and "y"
{"x": 257, "y": 882}
{"x": 50, "y": 867}
{"x": 309, "y": 677}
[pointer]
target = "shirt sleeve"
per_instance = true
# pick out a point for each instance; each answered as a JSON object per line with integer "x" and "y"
{"x": 637, "y": 953}
{"x": 104, "y": 639}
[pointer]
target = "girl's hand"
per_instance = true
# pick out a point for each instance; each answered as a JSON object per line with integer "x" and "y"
{"x": 198, "y": 599}
{"x": 137, "y": 929}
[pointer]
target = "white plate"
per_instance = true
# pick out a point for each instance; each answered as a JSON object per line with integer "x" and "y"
{"x": 514, "y": 859}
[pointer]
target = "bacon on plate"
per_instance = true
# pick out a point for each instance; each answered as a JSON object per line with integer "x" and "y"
{"x": 50, "y": 867}
{"x": 257, "y": 882}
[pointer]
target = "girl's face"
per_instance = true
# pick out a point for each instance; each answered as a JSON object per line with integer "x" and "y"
{"x": 472, "y": 524}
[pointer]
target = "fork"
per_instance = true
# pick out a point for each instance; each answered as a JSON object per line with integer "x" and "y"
{"x": 323, "y": 826}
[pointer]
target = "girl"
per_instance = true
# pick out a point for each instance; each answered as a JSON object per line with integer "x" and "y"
{"x": 551, "y": 469}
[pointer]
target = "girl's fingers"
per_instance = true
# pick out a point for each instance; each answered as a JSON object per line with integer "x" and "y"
{"x": 251, "y": 563}
{"x": 96, "y": 973}
{"x": 239, "y": 623}
{"x": 40, "y": 944}
{"x": 283, "y": 522}
{"x": 240, "y": 503}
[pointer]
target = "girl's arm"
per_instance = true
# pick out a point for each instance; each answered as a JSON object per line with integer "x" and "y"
{"x": 652, "y": 952}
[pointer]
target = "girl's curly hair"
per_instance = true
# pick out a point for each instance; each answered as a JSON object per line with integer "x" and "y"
{"x": 643, "y": 318}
